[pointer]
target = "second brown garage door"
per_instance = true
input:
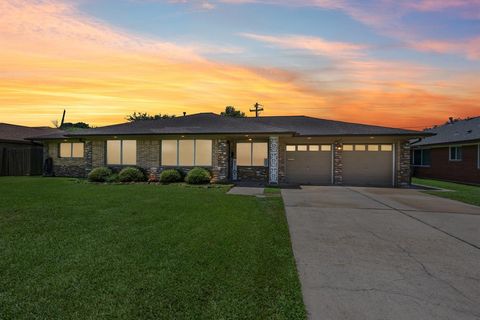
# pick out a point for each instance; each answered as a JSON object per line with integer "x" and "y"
{"x": 309, "y": 164}
{"x": 368, "y": 164}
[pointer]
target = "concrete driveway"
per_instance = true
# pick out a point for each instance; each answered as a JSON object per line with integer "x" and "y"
{"x": 372, "y": 253}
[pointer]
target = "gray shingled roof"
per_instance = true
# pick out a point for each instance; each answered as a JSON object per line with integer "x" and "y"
{"x": 460, "y": 131}
{"x": 210, "y": 123}
{"x": 21, "y": 134}
{"x": 308, "y": 126}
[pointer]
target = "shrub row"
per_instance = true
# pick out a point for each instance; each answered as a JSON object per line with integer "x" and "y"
{"x": 132, "y": 174}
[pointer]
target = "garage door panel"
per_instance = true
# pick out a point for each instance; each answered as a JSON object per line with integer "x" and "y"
{"x": 368, "y": 168}
{"x": 305, "y": 167}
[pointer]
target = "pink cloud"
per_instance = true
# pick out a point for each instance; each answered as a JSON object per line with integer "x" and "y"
{"x": 314, "y": 45}
{"x": 470, "y": 48}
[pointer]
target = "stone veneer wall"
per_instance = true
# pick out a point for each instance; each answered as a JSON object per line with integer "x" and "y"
{"x": 65, "y": 167}
{"x": 403, "y": 169}
{"x": 220, "y": 161}
{"x": 256, "y": 174}
{"x": 282, "y": 161}
{"x": 337, "y": 163}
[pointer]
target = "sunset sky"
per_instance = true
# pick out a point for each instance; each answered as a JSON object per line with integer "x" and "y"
{"x": 396, "y": 63}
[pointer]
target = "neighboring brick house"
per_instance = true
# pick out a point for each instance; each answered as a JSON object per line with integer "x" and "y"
{"x": 290, "y": 149}
{"x": 452, "y": 154}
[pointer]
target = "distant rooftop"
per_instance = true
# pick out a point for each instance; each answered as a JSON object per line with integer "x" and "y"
{"x": 458, "y": 131}
{"x": 20, "y": 134}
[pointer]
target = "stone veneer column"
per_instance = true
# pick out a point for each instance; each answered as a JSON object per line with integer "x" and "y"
{"x": 337, "y": 163}
{"x": 220, "y": 161}
{"x": 403, "y": 163}
{"x": 88, "y": 157}
{"x": 273, "y": 160}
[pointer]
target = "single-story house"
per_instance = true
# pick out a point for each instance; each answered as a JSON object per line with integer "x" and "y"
{"x": 18, "y": 155}
{"x": 275, "y": 150}
{"x": 452, "y": 154}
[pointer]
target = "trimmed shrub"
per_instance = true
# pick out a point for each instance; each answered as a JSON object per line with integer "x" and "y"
{"x": 131, "y": 174}
{"x": 198, "y": 176}
{"x": 100, "y": 174}
{"x": 113, "y": 178}
{"x": 169, "y": 176}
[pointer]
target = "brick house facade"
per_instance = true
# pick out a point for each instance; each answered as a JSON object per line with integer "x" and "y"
{"x": 226, "y": 157}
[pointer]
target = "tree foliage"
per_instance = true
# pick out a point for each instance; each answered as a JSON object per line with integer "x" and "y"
{"x": 76, "y": 125}
{"x": 230, "y": 111}
{"x": 146, "y": 116}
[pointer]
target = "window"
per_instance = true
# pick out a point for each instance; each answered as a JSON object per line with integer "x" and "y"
{"x": 360, "y": 147}
{"x": 186, "y": 150}
{"x": 122, "y": 152}
{"x": 252, "y": 154}
{"x": 187, "y": 153}
{"x": 421, "y": 157}
{"x": 203, "y": 152}
{"x": 313, "y": 147}
{"x": 372, "y": 147}
{"x": 348, "y": 147}
{"x": 71, "y": 150}
{"x": 291, "y": 148}
{"x": 386, "y": 147}
{"x": 301, "y": 147}
{"x": 326, "y": 147}
{"x": 455, "y": 154}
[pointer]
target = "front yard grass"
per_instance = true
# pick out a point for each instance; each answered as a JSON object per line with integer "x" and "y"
{"x": 74, "y": 250}
{"x": 461, "y": 192}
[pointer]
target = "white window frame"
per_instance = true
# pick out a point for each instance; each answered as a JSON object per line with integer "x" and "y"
{"x": 251, "y": 154}
{"x": 121, "y": 153}
{"x": 71, "y": 150}
{"x": 194, "y": 154}
{"x": 456, "y": 153}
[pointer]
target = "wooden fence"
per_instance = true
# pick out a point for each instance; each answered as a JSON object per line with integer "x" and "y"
{"x": 21, "y": 161}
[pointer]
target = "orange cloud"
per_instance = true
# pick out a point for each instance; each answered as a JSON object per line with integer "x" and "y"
{"x": 54, "y": 57}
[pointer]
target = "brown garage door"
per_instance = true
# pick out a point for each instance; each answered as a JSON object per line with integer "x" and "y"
{"x": 309, "y": 164}
{"x": 368, "y": 164}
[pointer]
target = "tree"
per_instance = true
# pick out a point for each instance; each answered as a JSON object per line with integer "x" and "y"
{"x": 146, "y": 116}
{"x": 231, "y": 112}
{"x": 76, "y": 125}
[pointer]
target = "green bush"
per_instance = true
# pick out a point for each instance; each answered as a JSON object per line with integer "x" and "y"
{"x": 171, "y": 175}
{"x": 198, "y": 176}
{"x": 113, "y": 178}
{"x": 100, "y": 174}
{"x": 131, "y": 174}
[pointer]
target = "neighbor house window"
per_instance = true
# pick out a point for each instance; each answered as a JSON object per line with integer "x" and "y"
{"x": 252, "y": 154}
{"x": 71, "y": 149}
{"x": 421, "y": 157}
{"x": 122, "y": 152}
{"x": 455, "y": 153}
{"x": 187, "y": 153}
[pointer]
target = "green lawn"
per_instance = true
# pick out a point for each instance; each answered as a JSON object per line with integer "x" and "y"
{"x": 74, "y": 250}
{"x": 460, "y": 192}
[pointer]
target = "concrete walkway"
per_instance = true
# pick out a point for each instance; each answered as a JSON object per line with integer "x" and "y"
{"x": 372, "y": 253}
{"x": 246, "y": 191}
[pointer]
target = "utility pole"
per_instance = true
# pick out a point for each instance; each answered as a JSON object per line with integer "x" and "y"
{"x": 257, "y": 108}
{"x": 63, "y": 118}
